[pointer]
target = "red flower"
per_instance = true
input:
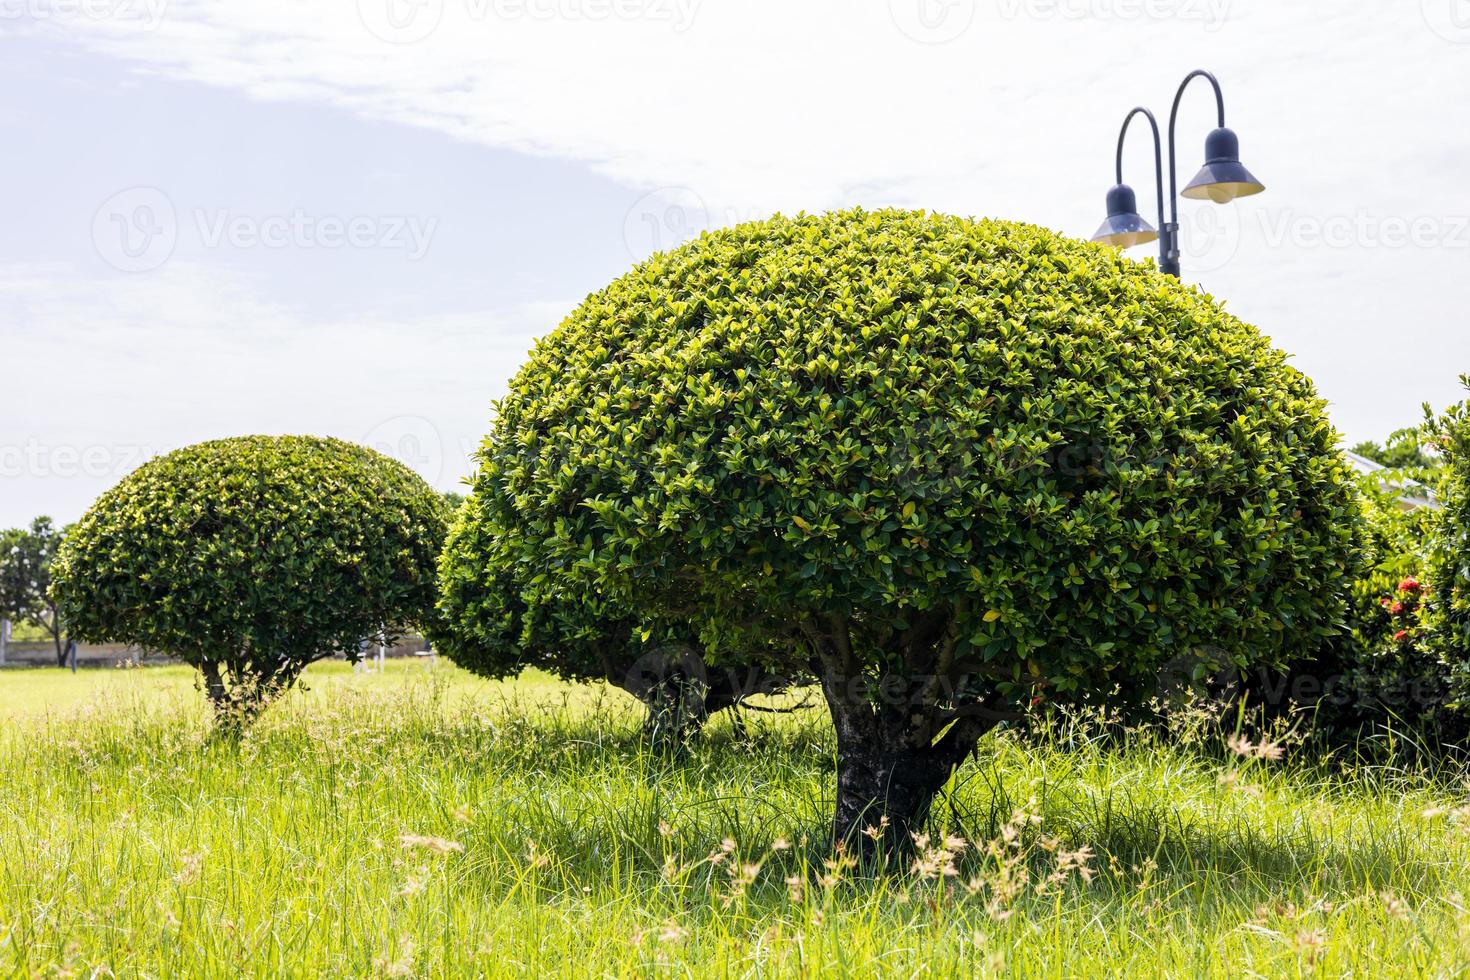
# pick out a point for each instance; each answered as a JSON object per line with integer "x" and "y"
{"x": 1401, "y": 636}
{"x": 1409, "y": 584}
{"x": 1396, "y": 608}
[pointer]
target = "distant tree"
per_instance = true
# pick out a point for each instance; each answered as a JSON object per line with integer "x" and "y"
{"x": 26, "y": 554}
{"x": 1404, "y": 450}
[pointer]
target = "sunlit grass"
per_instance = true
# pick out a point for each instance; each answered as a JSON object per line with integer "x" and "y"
{"x": 428, "y": 823}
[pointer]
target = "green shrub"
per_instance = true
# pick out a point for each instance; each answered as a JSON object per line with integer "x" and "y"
{"x": 1382, "y": 672}
{"x": 253, "y": 557}
{"x": 494, "y": 625}
{"x": 1386, "y": 672}
{"x": 1449, "y": 560}
{"x": 951, "y": 466}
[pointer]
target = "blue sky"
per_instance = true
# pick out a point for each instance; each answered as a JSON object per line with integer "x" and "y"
{"x": 353, "y": 217}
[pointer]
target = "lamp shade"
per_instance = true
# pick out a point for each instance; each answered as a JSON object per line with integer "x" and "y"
{"x": 1124, "y": 226}
{"x": 1223, "y": 178}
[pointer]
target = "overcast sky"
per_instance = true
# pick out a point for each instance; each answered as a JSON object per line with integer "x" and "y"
{"x": 351, "y": 217}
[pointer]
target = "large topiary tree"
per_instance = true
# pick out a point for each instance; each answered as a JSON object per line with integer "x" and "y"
{"x": 250, "y": 558}
{"x": 950, "y": 465}
{"x": 495, "y": 623}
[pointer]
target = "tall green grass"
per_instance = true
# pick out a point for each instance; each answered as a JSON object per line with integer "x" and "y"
{"x": 423, "y": 823}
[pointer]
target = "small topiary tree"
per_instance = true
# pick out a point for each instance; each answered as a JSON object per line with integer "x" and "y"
{"x": 251, "y": 558}
{"x": 950, "y": 466}
{"x": 494, "y": 624}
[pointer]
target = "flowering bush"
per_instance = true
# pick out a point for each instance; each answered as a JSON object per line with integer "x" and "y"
{"x": 1403, "y": 611}
{"x": 1387, "y": 670}
{"x": 1449, "y": 562}
{"x": 1391, "y": 677}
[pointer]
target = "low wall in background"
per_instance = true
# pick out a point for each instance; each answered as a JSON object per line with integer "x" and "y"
{"x": 111, "y": 654}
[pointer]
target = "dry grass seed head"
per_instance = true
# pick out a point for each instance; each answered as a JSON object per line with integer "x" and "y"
{"x": 434, "y": 845}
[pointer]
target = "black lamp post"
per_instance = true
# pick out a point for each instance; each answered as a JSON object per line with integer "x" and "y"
{"x": 1222, "y": 179}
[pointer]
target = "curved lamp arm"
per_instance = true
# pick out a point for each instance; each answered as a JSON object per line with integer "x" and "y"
{"x": 1173, "y": 117}
{"x": 1158, "y": 167}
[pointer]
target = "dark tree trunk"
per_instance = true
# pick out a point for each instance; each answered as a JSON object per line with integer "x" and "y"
{"x": 232, "y": 711}
{"x": 54, "y": 628}
{"x": 889, "y": 772}
{"x": 883, "y": 798}
{"x": 682, "y": 693}
{"x": 900, "y": 737}
{"x": 238, "y": 696}
{"x": 677, "y": 709}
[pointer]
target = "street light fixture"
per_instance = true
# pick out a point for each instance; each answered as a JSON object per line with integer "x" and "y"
{"x": 1222, "y": 179}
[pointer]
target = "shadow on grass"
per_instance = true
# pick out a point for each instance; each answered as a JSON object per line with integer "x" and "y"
{"x": 575, "y": 778}
{"x": 1203, "y": 851}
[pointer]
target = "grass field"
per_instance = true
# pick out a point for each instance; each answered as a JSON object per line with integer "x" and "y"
{"x": 425, "y": 823}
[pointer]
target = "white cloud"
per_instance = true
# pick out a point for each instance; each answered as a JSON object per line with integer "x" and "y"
{"x": 120, "y": 368}
{"x": 782, "y": 104}
{"x": 723, "y": 110}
